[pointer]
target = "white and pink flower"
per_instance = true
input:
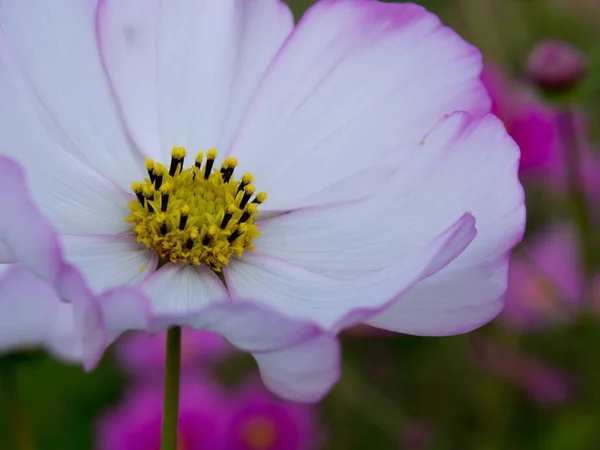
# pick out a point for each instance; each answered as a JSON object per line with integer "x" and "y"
{"x": 384, "y": 205}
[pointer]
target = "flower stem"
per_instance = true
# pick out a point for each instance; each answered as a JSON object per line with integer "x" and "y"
{"x": 11, "y": 392}
{"x": 575, "y": 184}
{"x": 171, "y": 397}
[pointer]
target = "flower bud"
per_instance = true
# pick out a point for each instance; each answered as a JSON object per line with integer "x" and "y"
{"x": 556, "y": 66}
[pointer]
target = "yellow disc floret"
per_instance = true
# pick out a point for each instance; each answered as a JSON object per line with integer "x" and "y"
{"x": 200, "y": 215}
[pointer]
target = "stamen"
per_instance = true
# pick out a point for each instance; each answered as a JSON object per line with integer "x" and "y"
{"x": 194, "y": 215}
{"x": 184, "y": 217}
{"x": 237, "y": 233}
{"x": 246, "y": 180}
{"x": 150, "y": 169}
{"x": 248, "y": 212}
{"x": 227, "y": 217}
{"x": 228, "y": 168}
{"x": 159, "y": 172}
{"x": 137, "y": 190}
{"x": 177, "y": 157}
{"x": 210, "y": 160}
{"x": 212, "y": 230}
{"x": 260, "y": 198}
{"x": 161, "y": 220}
{"x": 199, "y": 158}
{"x": 149, "y": 194}
{"x": 165, "y": 189}
{"x": 248, "y": 192}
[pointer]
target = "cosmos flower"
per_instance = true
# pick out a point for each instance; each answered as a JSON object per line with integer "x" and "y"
{"x": 530, "y": 122}
{"x": 246, "y": 418}
{"x": 546, "y": 281}
{"x": 257, "y": 420}
{"x": 212, "y": 153}
{"x": 135, "y": 423}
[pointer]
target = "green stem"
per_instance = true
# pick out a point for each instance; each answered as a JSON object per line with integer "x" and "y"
{"x": 370, "y": 402}
{"x": 575, "y": 184}
{"x": 171, "y": 398}
{"x": 21, "y": 424}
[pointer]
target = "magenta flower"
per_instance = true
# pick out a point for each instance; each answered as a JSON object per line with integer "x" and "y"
{"x": 144, "y": 355}
{"x": 345, "y": 120}
{"x": 260, "y": 421}
{"x": 246, "y": 419}
{"x": 546, "y": 280}
{"x": 135, "y": 423}
{"x": 530, "y": 122}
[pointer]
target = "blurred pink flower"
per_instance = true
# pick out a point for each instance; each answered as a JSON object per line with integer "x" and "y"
{"x": 543, "y": 383}
{"x": 528, "y": 120}
{"x": 260, "y": 421}
{"x": 545, "y": 280}
{"x": 416, "y": 435}
{"x": 135, "y": 424}
{"x": 143, "y": 354}
{"x": 249, "y": 418}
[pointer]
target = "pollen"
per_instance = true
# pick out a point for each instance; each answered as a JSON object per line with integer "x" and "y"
{"x": 200, "y": 215}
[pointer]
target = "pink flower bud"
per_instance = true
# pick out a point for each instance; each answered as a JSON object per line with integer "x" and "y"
{"x": 556, "y": 66}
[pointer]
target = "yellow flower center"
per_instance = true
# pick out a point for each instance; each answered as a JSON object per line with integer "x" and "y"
{"x": 259, "y": 433}
{"x": 200, "y": 215}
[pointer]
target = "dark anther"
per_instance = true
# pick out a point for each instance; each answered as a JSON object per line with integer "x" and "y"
{"x": 228, "y": 174}
{"x": 150, "y": 207}
{"x": 207, "y": 239}
{"x": 198, "y": 164}
{"x": 152, "y": 176}
{"x": 245, "y": 200}
{"x": 226, "y": 219}
{"x": 163, "y": 229}
{"x": 208, "y": 168}
{"x": 174, "y": 164}
{"x": 141, "y": 198}
{"x": 164, "y": 203}
{"x": 236, "y": 234}
{"x": 182, "y": 221}
{"x": 189, "y": 244}
{"x": 158, "y": 179}
{"x": 244, "y": 217}
{"x": 240, "y": 187}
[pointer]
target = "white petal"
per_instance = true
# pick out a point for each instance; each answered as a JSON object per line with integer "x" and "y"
{"x": 463, "y": 165}
{"x": 335, "y": 303}
{"x": 108, "y": 261}
{"x": 54, "y": 46}
{"x": 6, "y": 254}
{"x": 75, "y": 198}
{"x": 32, "y": 315}
{"x": 351, "y": 92}
{"x": 296, "y": 359}
{"x": 182, "y": 288}
{"x": 185, "y": 71}
{"x": 449, "y": 302}
{"x": 301, "y": 373}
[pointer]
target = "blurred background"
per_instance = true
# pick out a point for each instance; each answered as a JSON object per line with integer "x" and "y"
{"x": 529, "y": 380}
